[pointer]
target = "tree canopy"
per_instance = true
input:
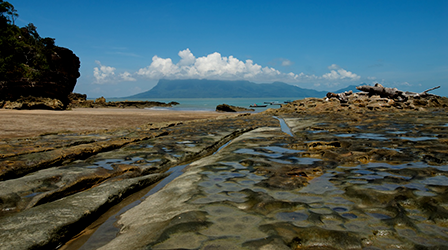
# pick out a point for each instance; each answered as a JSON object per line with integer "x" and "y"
{"x": 8, "y": 12}
{"x": 23, "y": 53}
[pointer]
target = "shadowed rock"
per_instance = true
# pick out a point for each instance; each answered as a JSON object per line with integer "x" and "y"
{"x": 230, "y": 108}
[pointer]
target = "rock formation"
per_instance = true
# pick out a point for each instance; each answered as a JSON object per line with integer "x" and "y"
{"x": 55, "y": 84}
{"x": 354, "y": 175}
{"x": 33, "y": 67}
{"x": 371, "y": 99}
{"x": 230, "y": 108}
{"x": 80, "y": 101}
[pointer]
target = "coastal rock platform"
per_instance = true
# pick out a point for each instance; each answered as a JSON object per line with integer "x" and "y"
{"x": 292, "y": 178}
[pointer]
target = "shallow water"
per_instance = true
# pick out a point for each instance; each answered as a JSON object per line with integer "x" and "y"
{"x": 283, "y": 126}
{"x": 380, "y": 202}
{"x": 108, "y": 230}
{"x": 260, "y": 188}
{"x": 209, "y": 104}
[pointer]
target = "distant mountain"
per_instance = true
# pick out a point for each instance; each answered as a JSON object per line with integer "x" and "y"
{"x": 351, "y": 87}
{"x": 194, "y": 88}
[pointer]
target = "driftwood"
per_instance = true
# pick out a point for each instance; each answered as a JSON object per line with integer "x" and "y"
{"x": 378, "y": 89}
{"x": 393, "y": 93}
{"x": 423, "y": 94}
{"x": 342, "y": 97}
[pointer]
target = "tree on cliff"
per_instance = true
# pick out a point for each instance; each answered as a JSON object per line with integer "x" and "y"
{"x": 7, "y": 12}
{"x": 23, "y": 53}
{"x": 31, "y": 65}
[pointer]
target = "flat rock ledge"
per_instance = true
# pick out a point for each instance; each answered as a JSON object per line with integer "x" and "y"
{"x": 347, "y": 177}
{"x": 47, "y": 225}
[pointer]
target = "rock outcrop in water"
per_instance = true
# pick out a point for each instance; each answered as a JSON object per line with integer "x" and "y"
{"x": 80, "y": 101}
{"x": 231, "y": 108}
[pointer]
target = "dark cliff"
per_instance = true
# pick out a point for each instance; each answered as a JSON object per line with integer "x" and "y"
{"x": 32, "y": 66}
{"x": 57, "y": 82}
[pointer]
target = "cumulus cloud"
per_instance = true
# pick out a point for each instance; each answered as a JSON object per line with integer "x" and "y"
{"x": 338, "y": 73}
{"x": 334, "y": 67}
{"x": 102, "y": 73}
{"x": 216, "y": 66}
{"x": 126, "y": 76}
{"x": 212, "y": 66}
{"x": 187, "y": 58}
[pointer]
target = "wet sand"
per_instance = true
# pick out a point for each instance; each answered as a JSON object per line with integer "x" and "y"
{"x": 27, "y": 123}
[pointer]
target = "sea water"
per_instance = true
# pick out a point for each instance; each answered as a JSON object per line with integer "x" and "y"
{"x": 209, "y": 104}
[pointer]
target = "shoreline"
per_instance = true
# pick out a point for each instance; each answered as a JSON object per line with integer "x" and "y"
{"x": 29, "y": 123}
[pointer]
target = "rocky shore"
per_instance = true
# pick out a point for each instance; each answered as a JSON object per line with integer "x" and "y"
{"x": 80, "y": 101}
{"x": 231, "y": 108}
{"x": 369, "y": 173}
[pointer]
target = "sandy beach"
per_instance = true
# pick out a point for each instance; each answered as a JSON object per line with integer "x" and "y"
{"x": 26, "y": 123}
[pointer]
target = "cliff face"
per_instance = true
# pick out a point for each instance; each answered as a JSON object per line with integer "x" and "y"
{"x": 56, "y": 83}
{"x": 33, "y": 70}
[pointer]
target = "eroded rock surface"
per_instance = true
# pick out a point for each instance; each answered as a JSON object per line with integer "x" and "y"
{"x": 352, "y": 179}
{"x": 376, "y": 182}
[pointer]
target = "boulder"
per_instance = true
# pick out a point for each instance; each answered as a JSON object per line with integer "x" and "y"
{"x": 101, "y": 101}
{"x": 230, "y": 108}
{"x": 77, "y": 98}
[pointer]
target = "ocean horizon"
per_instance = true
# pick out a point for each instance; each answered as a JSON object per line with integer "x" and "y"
{"x": 209, "y": 104}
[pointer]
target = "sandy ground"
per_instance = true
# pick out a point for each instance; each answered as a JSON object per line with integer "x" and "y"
{"x": 26, "y": 123}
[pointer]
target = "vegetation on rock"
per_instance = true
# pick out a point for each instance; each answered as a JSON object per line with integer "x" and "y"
{"x": 31, "y": 65}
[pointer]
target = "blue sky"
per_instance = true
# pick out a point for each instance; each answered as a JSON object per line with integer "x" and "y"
{"x": 125, "y": 47}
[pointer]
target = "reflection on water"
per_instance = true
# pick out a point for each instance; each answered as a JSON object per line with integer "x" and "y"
{"x": 371, "y": 136}
{"x": 356, "y": 199}
{"x": 283, "y": 126}
{"x": 107, "y": 230}
{"x": 256, "y": 191}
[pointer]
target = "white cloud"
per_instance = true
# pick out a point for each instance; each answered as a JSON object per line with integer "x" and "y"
{"x": 338, "y": 73}
{"x": 218, "y": 67}
{"x": 159, "y": 68}
{"x": 126, "y": 76}
{"x": 334, "y": 67}
{"x": 212, "y": 66}
{"x": 187, "y": 58}
{"x": 103, "y": 73}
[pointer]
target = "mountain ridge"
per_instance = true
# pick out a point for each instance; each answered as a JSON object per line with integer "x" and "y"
{"x": 202, "y": 88}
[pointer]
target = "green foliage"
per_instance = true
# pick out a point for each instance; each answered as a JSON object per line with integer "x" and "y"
{"x": 7, "y": 12}
{"x": 23, "y": 53}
